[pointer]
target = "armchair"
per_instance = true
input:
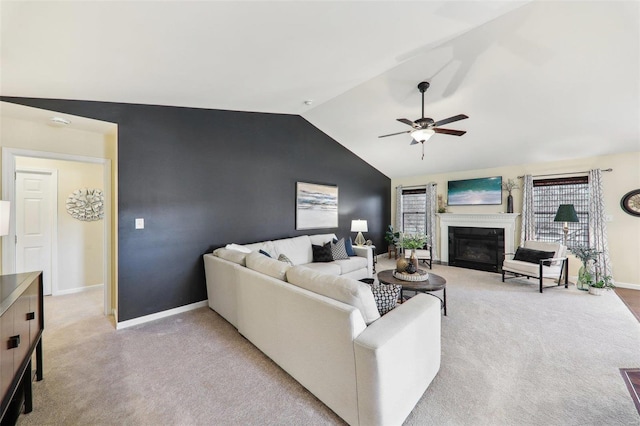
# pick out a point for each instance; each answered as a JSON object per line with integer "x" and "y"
{"x": 424, "y": 254}
{"x": 538, "y": 259}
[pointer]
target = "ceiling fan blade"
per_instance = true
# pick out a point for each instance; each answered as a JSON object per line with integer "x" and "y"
{"x": 450, "y": 120}
{"x": 413, "y": 142}
{"x": 393, "y": 134}
{"x": 409, "y": 122}
{"x": 449, "y": 131}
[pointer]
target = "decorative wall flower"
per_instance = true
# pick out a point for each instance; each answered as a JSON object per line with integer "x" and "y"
{"x": 86, "y": 204}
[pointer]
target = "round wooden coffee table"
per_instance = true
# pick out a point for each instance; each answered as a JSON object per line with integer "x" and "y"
{"x": 433, "y": 283}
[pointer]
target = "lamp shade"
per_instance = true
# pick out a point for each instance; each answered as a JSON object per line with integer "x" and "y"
{"x": 422, "y": 135}
{"x": 566, "y": 213}
{"x": 359, "y": 225}
{"x": 4, "y": 217}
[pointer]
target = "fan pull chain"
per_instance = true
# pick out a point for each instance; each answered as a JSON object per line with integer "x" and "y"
{"x": 422, "y": 149}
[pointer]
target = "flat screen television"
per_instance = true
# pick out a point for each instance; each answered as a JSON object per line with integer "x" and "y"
{"x": 475, "y": 192}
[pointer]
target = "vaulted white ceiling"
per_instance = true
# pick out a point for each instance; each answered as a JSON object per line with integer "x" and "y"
{"x": 540, "y": 80}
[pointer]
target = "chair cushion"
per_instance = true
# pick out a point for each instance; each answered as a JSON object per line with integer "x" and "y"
{"x": 531, "y": 255}
{"x": 530, "y": 269}
{"x": 420, "y": 254}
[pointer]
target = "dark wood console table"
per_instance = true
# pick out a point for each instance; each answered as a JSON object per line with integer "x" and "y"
{"x": 21, "y": 326}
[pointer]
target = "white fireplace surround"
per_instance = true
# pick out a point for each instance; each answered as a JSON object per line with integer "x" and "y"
{"x": 506, "y": 221}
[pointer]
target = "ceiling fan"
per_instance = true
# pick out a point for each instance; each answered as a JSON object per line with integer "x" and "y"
{"x": 423, "y": 128}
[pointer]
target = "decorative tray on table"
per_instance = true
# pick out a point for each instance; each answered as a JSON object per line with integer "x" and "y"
{"x": 420, "y": 275}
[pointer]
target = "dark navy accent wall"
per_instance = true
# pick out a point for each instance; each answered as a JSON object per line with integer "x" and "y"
{"x": 204, "y": 178}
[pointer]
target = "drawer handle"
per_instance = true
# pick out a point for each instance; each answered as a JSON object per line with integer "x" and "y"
{"x": 31, "y": 316}
{"x": 14, "y": 342}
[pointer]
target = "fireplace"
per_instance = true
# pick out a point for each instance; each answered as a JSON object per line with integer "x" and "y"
{"x": 476, "y": 248}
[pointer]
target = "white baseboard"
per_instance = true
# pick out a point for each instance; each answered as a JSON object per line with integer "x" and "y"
{"x": 159, "y": 315}
{"x": 77, "y": 289}
{"x": 628, "y": 285}
{"x": 574, "y": 279}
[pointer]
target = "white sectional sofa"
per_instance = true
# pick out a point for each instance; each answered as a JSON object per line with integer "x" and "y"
{"x": 324, "y": 330}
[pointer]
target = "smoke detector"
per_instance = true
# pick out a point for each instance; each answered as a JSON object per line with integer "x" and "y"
{"x": 58, "y": 122}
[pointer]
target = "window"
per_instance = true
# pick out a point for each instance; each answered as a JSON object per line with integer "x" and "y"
{"x": 413, "y": 214}
{"x": 548, "y": 194}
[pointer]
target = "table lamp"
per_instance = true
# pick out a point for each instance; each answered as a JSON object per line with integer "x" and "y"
{"x": 566, "y": 213}
{"x": 359, "y": 226}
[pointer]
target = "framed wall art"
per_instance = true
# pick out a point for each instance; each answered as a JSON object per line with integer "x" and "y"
{"x": 316, "y": 206}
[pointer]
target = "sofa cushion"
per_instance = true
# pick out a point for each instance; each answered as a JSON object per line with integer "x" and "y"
{"x": 331, "y": 268}
{"x": 237, "y": 247}
{"x": 267, "y": 265}
{"x": 322, "y": 253}
{"x": 234, "y": 256}
{"x": 338, "y": 250}
{"x": 532, "y": 256}
{"x": 351, "y": 264}
{"x": 298, "y": 249}
{"x": 346, "y": 290}
{"x": 322, "y": 239}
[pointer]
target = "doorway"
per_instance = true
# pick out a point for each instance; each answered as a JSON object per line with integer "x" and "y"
{"x": 36, "y": 219}
{"x": 86, "y": 245}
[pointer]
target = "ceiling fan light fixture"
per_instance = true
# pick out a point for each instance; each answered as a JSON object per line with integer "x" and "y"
{"x": 422, "y": 135}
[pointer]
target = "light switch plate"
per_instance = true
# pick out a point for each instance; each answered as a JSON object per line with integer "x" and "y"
{"x": 139, "y": 223}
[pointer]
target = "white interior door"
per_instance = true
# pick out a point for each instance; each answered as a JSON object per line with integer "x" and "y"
{"x": 35, "y": 203}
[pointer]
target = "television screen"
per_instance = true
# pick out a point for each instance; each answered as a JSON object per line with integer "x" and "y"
{"x": 471, "y": 192}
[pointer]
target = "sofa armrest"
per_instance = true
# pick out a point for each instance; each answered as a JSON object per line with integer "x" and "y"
{"x": 397, "y": 357}
{"x": 366, "y": 252}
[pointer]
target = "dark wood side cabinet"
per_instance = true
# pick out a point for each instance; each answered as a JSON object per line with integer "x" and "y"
{"x": 21, "y": 326}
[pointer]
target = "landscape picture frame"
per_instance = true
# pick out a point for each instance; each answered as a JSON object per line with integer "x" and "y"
{"x": 316, "y": 206}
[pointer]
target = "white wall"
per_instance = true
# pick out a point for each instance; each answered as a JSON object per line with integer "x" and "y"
{"x": 623, "y": 231}
{"x": 80, "y": 244}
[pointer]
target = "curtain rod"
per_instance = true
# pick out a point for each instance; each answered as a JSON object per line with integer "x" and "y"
{"x": 568, "y": 173}
{"x": 417, "y": 186}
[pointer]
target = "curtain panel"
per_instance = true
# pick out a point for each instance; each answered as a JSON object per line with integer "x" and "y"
{"x": 528, "y": 228}
{"x": 430, "y": 209}
{"x": 597, "y": 223}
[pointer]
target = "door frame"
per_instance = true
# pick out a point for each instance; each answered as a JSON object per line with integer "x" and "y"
{"x": 54, "y": 221}
{"x": 8, "y": 194}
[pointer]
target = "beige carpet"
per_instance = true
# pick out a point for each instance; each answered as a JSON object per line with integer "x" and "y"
{"x": 511, "y": 356}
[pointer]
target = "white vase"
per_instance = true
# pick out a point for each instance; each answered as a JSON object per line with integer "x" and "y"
{"x": 596, "y": 291}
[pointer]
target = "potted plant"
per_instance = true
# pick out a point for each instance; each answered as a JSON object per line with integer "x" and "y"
{"x": 509, "y": 186}
{"x": 588, "y": 256}
{"x": 413, "y": 242}
{"x": 598, "y": 287}
{"x": 391, "y": 238}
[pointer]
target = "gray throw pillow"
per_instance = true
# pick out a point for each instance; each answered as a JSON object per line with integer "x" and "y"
{"x": 338, "y": 250}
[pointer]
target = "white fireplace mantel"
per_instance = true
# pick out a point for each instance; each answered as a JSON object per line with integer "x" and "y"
{"x": 507, "y": 221}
